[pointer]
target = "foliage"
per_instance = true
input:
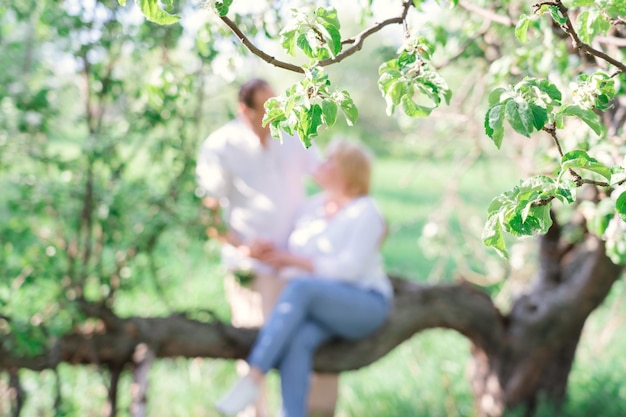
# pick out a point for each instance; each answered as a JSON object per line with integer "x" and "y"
{"x": 84, "y": 210}
{"x": 531, "y": 105}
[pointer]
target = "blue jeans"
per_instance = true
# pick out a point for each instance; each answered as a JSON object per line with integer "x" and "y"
{"x": 308, "y": 313}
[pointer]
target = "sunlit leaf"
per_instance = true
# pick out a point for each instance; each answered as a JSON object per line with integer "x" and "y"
{"x": 521, "y": 28}
{"x": 154, "y": 13}
{"x": 620, "y": 205}
{"x": 492, "y": 236}
{"x": 329, "y": 109}
{"x": 494, "y": 124}
{"x": 582, "y": 160}
{"x": 586, "y": 115}
{"x": 304, "y": 45}
{"x": 412, "y": 109}
{"x": 519, "y": 116}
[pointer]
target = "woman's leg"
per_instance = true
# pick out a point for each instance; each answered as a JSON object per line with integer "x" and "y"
{"x": 347, "y": 311}
{"x": 296, "y": 365}
{"x": 343, "y": 309}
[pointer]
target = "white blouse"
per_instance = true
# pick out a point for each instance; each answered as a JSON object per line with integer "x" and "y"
{"x": 343, "y": 247}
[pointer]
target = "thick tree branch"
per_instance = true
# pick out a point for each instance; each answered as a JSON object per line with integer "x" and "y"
{"x": 459, "y": 307}
{"x": 573, "y": 281}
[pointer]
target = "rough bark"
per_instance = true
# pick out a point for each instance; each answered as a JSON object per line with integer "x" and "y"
{"x": 533, "y": 358}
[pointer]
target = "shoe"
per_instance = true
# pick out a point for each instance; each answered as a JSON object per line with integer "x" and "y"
{"x": 242, "y": 394}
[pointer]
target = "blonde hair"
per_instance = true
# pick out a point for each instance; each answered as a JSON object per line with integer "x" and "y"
{"x": 354, "y": 162}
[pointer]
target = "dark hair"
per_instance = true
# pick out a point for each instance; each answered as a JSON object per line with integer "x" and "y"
{"x": 249, "y": 88}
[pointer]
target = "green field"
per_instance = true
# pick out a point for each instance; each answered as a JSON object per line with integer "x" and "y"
{"x": 425, "y": 376}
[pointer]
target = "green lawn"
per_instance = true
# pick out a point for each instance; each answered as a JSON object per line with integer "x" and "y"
{"x": 425, "y": 376}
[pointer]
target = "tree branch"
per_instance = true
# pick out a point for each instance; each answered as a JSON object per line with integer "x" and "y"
{"x": 356, "y": 42}
{"x": 459, "y": 307}
{"x": 568, "y": 28}
{"x": 258, "y": 52}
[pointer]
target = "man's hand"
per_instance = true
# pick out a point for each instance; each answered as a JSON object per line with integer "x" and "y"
{"x": 281, "y": 259}
{"x": 256, "y": 248}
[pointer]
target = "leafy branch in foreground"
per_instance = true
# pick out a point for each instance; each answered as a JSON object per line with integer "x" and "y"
{"x": 307, "y": 105}
{"x": 534, "y": 105}
{"x": 403, "y": 77}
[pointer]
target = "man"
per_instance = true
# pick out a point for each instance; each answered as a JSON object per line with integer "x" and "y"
{"x": 259, "y": 184}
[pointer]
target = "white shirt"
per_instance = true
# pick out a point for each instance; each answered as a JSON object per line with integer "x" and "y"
{"x": 260, "y": 187}
{"x": 344, "y": 247}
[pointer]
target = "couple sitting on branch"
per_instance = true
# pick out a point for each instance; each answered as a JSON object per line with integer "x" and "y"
{"x": 319, "y": 258}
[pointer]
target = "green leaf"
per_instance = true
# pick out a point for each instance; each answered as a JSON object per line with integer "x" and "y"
{"x": 494, "y": 96}
{"x": 565, "y": 195}
{"x": 305, "y": 46}
{"x": 550, "y": 89}
{"x": 413, "y": 110}
{"x": 154, "y": 13}
{"x": 335, "y": 39}
{"x": 387, "y": 78}
{"x": 315, "y": 121}
{"x": 540, "y": 116}
{"x": 620, "y": 205}
{"x": 580, "y": 159}
{"x": 348, "y": 108}
{"x": 122, "y": 2}
{"x": 588, "y": 116}
{"x": 521, "y": 28}
{"x": 518, "y": 226}
{"x": 222, "y": 7}
{"x": 433, "y": 85}
{"x": 557, "y": 16}
{"x": 329, "y": 15}
{"x": 494, "y": 124}
{"x": 618, "y": 174}
{"x": 397, "y": 91}
{"x": 519, "y": 116}
{"x": 406, "y": 59}
{"x": 288, "y": 42}
{"x": 492, "y": 236}
{"x": 329, "y": 109}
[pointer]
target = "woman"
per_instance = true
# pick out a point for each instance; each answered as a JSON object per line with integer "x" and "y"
{"x": 337, "y": 285}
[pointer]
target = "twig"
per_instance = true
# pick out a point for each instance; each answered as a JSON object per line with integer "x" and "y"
{"x": 577, "y": 178}
{"x": 360, "y": 38}
{"x": 356, "y": 42}
{"x": 552, "y": 131}
{"x": 256, "y": 51}
{"x": 568, "y": 28}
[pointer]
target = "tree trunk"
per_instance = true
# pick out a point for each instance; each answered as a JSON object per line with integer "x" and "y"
{"x": 534, "y": 358}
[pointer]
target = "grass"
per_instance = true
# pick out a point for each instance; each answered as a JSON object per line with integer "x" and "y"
{"x": 425, "y": 376}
